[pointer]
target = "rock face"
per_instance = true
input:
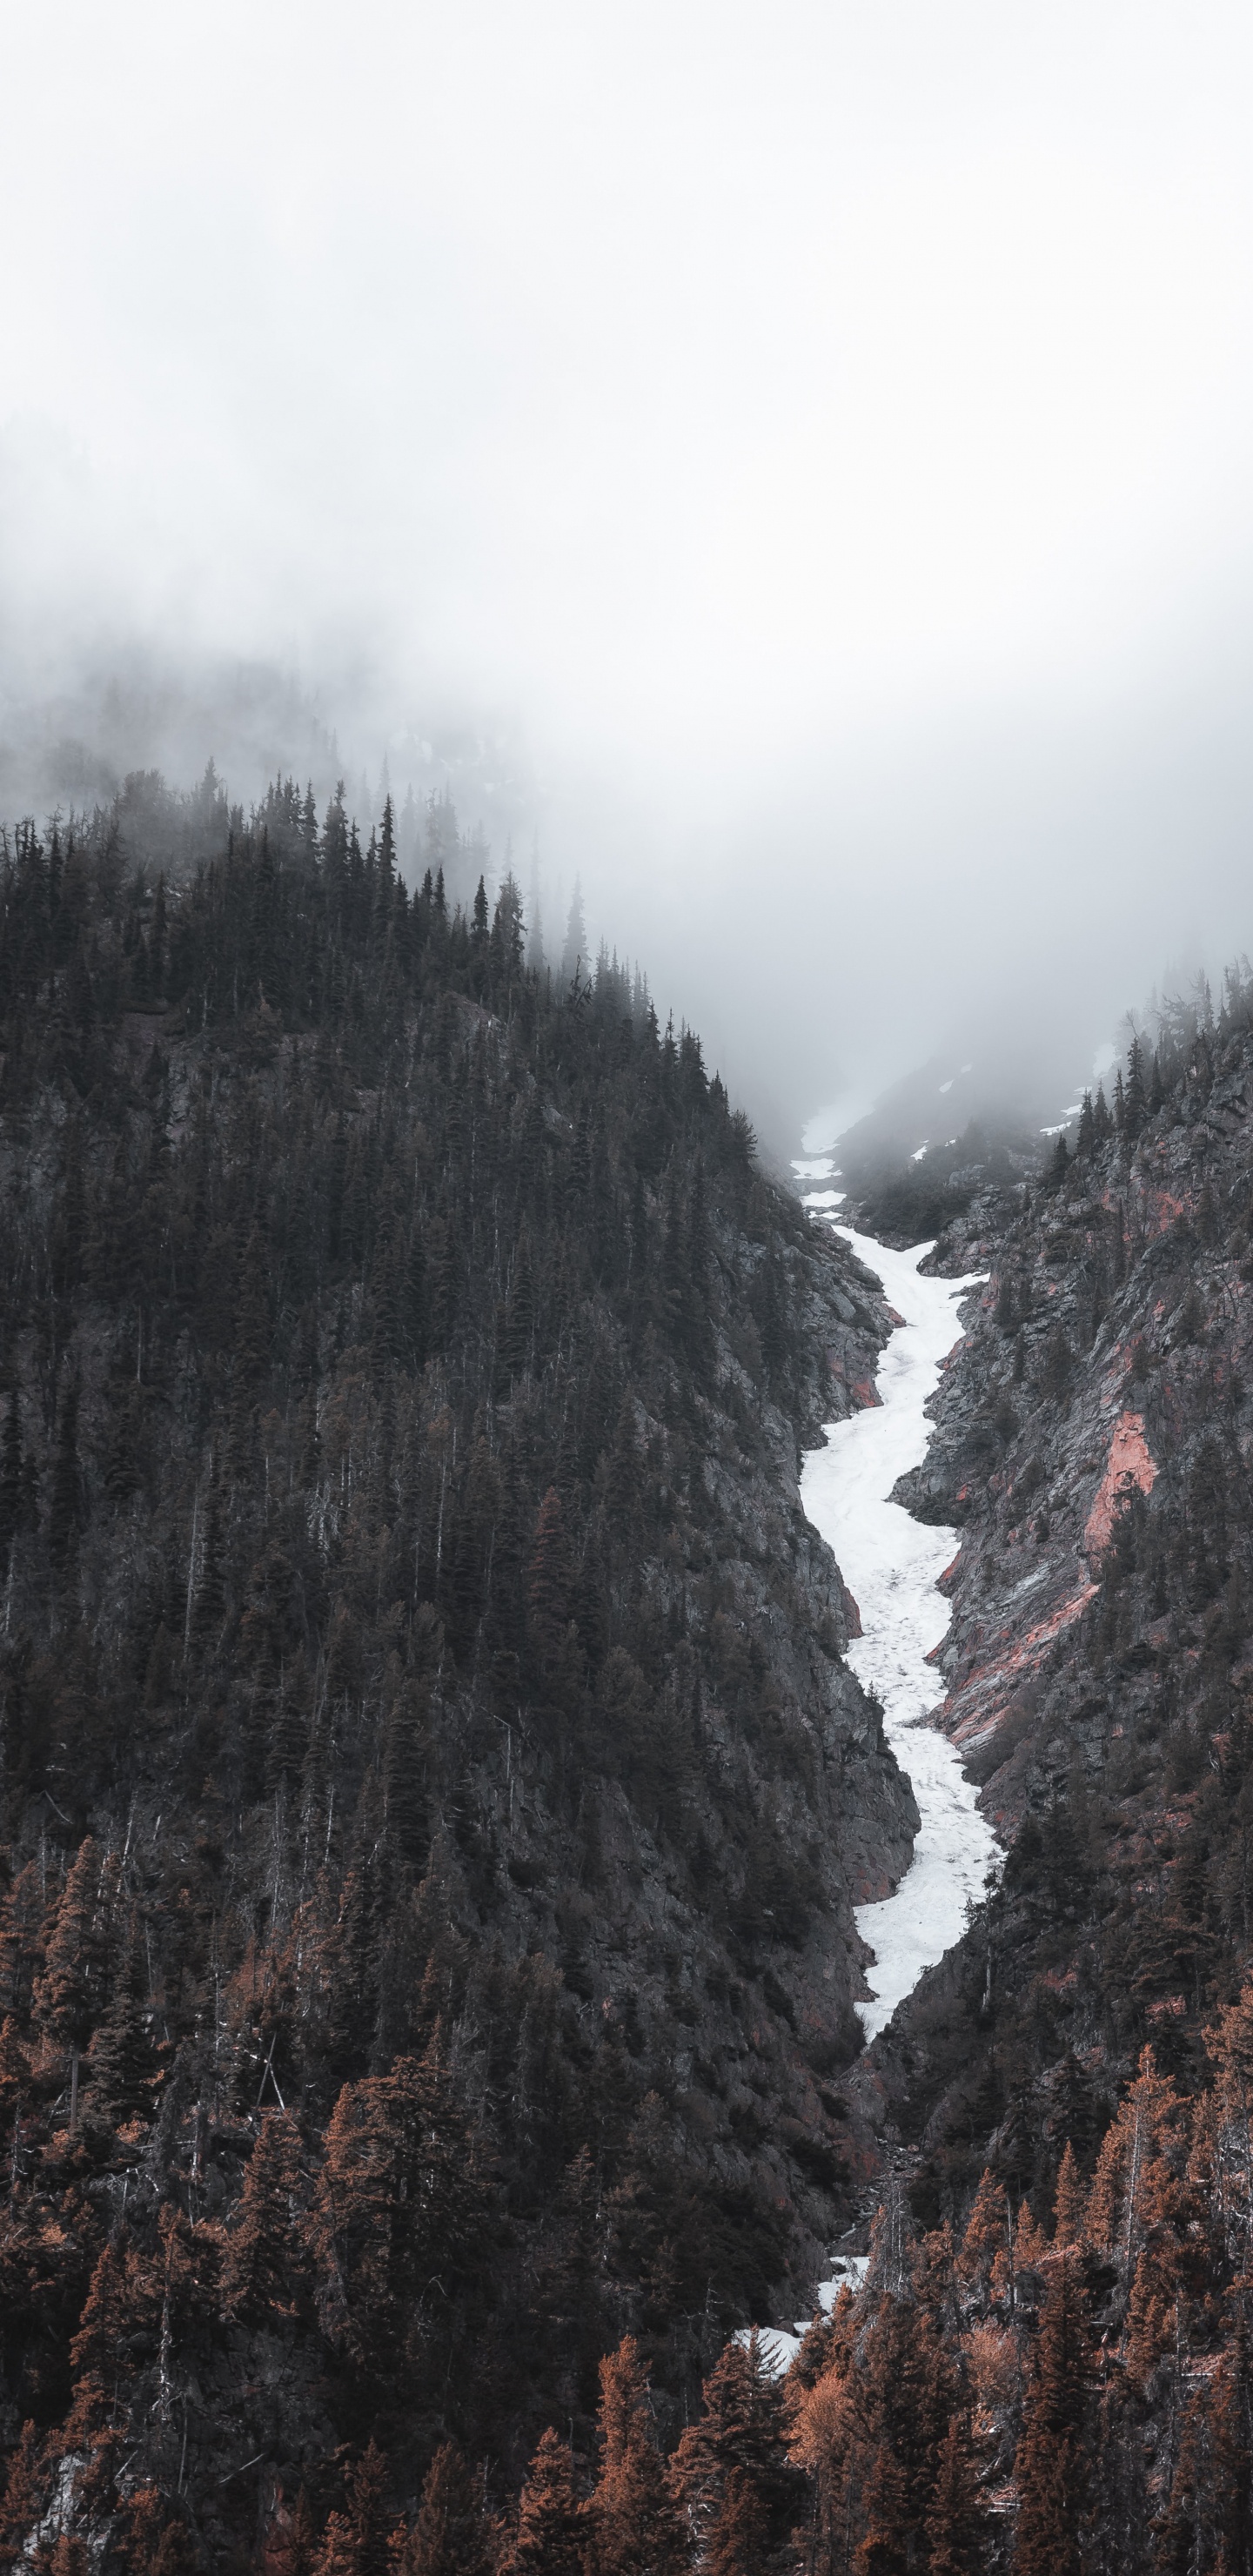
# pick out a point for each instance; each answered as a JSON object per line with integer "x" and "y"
{"x": 1092, "y": 1439}
{"x": 1129, "y": 1470}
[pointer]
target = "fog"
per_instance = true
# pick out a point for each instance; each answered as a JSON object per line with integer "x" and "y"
{"x": 791, "y": 463}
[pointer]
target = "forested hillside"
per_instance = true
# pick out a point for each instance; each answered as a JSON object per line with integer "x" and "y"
{"x": 1094, "y": 1437}
{"x": 433, "y": 1797}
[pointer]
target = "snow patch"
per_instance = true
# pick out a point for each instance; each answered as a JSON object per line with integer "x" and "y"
{"x": 777, "y": 2347}
{"x": 892, "y": 1563}
{"x": 820, "y": 1200}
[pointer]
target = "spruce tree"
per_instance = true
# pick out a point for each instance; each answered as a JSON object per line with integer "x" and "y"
{"x": 742, "y": 2432}
{"x": 739, "y": 2535}
{"x": 1069, "y": 2201}
{"x": 71, "y": 1992}
{"x": 262, "y": 2258}
{"x": 637, "y": 2528}
{"x": 956, "y": 2527}
{"x": 1051, "y": 2466}
{"x": 123, "y": 2054}
{"x": 358, "y": 2540}
{"x": 552, "y": 2529}
{"x": 1135, "y": 1098}
{"x": 450, "y": 2536}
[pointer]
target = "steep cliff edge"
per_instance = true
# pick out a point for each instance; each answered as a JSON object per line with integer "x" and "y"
{"x": 1093, "y": 1437}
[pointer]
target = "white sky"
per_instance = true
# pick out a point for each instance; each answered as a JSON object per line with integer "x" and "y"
{"x": 824, "y": 430}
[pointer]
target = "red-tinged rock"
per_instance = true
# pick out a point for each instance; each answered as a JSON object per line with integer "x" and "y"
{"x": 864, "y": 1393}
{"x": 1130, "y": 1466}
{"x": 852, "y": 1615}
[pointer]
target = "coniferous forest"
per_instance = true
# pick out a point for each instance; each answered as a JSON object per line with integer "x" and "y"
{"x": 433, "y": 1796}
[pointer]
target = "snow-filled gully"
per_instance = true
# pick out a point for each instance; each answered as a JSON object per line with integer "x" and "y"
{"x": 891, "y": 1564}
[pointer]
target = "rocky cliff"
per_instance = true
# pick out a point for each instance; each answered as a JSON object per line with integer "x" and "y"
{"x": 1092, "y": 1442}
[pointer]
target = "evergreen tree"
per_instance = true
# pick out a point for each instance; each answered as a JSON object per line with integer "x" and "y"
{"x": 739, "y": 2533}
{"x": 551, "y": 2534}
{"x": 1135, "y": 1098}
{"x": 450, "y": 2535}
{"x": 123, "y": 2055}
{"x": 1069, "y": 2203}
{"x": 956, "y": 2526}
{"x": 262, "y": 2258}
{"x": 985, "y": 2234}
{"x": 637, "y": 2528}
{"x": 743, "y": 2434}
{"x": 357, "y": 2542}
{"x": 71, "y": 1993}
{"x": 574, "y": 953}
{"x": 1051, "y": 2466}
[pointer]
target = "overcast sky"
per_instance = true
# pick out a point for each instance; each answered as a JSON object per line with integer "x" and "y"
{"x": 822, "y": 435}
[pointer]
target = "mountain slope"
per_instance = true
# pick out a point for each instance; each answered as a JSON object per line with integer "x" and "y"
{"x": 433, "y": 1797}
{"x": 1092, "y": 1439}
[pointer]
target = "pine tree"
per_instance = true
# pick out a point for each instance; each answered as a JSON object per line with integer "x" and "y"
{"x": 574, "y": 954}
{"x": 883, "y": 2549}
{"x": 262, "y": 2258}
{"x": 1068, "y": 2204}
{"x": 24, "y": 2495}
{"x": 121, "y": 2295}
{"x": 739, "y": 2534}
{"x": 743, "y": 2432}
{"x": 1135, "y": 1101}
{"x": 357, "y": 2542}
{"x": 1051, "y": 2466}
{"x": 123, "y": 2055}
{"x": 450, "y": 2536}
{"x": 637, "y": 2528}
{"x": 956, "y": 2526}
{"x": 986, "y": 2233}
{"x": 552, "y": 2532}
{"x": 71, "y": 1992}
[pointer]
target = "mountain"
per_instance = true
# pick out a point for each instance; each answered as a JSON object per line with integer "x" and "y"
{"x": 433, "y": 1794}
{"x": 1062, "y": 2104}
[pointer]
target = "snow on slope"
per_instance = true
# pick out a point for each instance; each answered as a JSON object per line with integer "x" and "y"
{"x": 891, "y": 1564}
